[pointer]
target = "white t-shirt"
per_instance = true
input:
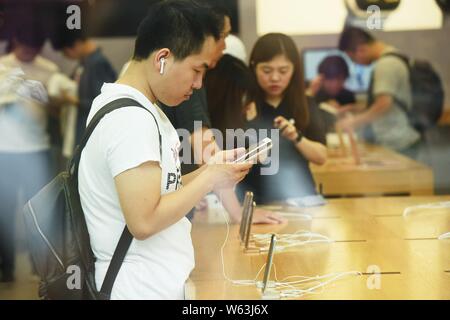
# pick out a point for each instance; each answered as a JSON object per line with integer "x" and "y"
{"x": 155, "y": 268}
{"x": 235, "y": 47}
{"x": 23, "y": 124}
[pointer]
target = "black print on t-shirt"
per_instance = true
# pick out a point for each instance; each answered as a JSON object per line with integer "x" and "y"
{"x": 174, "y": 178}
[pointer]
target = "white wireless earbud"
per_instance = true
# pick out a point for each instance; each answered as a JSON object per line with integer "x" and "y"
{"x": 162, "y": 61}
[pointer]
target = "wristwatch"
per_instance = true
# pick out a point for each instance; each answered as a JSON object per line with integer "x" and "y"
{"x": 299, "y": 137}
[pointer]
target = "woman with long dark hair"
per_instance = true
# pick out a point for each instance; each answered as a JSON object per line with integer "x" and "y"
{"x": 231, "y": 89}
{"x": 231, "y": 92}
{"x": 281, "y": 104}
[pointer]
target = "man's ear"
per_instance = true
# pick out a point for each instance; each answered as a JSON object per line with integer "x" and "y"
{"x": 77, "y": 46}
{"x": 160, "y": 60}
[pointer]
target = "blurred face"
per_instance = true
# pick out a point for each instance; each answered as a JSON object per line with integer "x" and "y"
{"x": 361, "y": 55}
{"x": 181, "y": 77}
{"x": 333, "y": 86}
{"x": 25, "y": 53}
{"x": 74, "y": 52}
{"x": 220, "y": 44}
{"x": 274, "y": 76}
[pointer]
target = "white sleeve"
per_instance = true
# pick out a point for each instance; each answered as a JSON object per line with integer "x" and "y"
{"x": 129, "y": 137}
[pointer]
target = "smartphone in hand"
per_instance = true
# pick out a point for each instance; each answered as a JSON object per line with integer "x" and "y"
{"x": 251, "y": 153}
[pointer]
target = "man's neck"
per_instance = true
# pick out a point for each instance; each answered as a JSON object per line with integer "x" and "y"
{"x": 135, "y": 77}
{"x": 17, "y": 57}
{"x": 378, "y": 48}
{"x": 89, "y": 47}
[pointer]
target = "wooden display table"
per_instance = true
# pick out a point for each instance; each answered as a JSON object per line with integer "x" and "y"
{"x": 370, "y": 235}
{"x": 381, "y": 172}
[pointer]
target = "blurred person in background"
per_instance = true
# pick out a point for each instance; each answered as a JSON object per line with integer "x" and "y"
{"x": 385, "y": 122}
{"x": 329, "y": 87}
{"x": 93, "y": 70}
{"x": 25, "y": 160}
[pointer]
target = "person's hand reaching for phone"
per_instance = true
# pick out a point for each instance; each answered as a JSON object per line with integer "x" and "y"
{"x": 315, "y": 86}
{"x": 287, "y": 128}
{"x": 261, "y": 216}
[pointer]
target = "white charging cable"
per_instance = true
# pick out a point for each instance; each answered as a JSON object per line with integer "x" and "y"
{"x": 233, "y": 281}
{"x": 285, "y": 293}
{"x": 444, "y": 236}
{"x": 285, "y": 241}
{"x": 297, "y": 289}
{"x": 292, "y": 289}
{"x": 436, "y": 205}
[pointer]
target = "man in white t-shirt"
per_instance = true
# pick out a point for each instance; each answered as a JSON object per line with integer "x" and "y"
{"x": 24, "y": 141}
{"x": 123, "y": 177}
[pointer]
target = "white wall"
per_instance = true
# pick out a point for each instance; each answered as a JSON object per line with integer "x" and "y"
{"x": 300, "y": 17}
{"x": 433, "y": 45}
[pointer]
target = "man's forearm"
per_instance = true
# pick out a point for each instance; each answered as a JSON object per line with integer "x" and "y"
{"x": 187, "y": 178}
{"x": 381, "y": 105}
{"x": 175, "y": 205}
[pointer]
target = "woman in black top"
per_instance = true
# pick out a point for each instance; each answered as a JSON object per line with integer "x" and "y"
{"x": 281, "y": 105}
{"x": 230, "y": 91}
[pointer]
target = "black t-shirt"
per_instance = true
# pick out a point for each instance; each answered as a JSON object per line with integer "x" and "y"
{"x": 344, "y": 97}
{"x": 96, "y": 70}
{"x": 185, "y": 115}
{"x": 294, "y": 178}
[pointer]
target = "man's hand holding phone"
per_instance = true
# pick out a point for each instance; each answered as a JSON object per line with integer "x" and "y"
{"x": 223, "y": 170}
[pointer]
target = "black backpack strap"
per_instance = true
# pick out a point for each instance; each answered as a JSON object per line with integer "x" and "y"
{"x": 113, "y": 105}
{"x": 115, "y": 264}
{"x": 399, "y": 55}
{"x": 126, "y": 237}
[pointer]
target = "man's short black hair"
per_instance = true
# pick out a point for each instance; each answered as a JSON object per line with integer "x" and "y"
{"x": 334, "y": 67}
{"x": 30, "y": 34}
{"x": 352, "y": 37}
{"x": 180, "y": 25}
{"x": 220, "y": 9}
{"x": 66, "y": 38}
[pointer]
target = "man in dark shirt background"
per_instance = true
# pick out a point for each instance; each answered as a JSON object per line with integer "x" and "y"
{"x": 329, "y": 87}
{"x": 94, "y": 69}
{"x": 334, "y": 72}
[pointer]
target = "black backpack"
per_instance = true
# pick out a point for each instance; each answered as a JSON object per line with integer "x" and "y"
{"x": 58, "y": 236}
{"x": 427, "y": 93}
